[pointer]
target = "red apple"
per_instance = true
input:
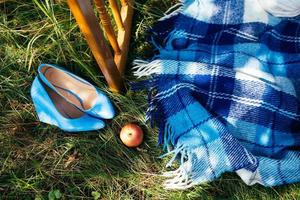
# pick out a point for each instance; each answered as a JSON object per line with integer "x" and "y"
{"x": 131, "y": 135}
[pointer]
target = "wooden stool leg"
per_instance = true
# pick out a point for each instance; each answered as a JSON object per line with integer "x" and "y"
{"x": 87, "y": 21}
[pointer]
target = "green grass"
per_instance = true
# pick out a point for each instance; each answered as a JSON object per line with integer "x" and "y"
{"x": 38, "y": 161}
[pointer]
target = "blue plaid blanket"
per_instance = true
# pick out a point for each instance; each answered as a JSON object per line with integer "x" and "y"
{"x": 224, "y": 91}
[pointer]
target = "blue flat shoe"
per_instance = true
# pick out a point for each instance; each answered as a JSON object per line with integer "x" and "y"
{"x": 52, "y": 109}
{"x": 76, "y": 91}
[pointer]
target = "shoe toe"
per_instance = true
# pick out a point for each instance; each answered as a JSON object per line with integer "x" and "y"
{"x": 103, "y": 107}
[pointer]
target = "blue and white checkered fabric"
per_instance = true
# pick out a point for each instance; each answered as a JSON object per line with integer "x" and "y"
{"x": 224, "y": 91}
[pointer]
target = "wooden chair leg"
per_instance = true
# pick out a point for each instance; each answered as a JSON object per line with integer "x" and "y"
{"x": 124, "y": 35}
{"x": 107, "y": 26}
{"x": 116, "y": 13}
{"x": 87, "y": 21}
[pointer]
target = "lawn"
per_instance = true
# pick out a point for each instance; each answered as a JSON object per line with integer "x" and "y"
{"x": 38, "y": 161}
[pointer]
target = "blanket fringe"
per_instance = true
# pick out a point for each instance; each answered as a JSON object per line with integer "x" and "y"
{"x": 180, "y": 178}
{"x": 144, "y": 68}
{"x": 169, "y": 13}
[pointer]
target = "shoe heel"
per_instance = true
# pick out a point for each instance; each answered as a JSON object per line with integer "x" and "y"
{"x": 41, "y": 104}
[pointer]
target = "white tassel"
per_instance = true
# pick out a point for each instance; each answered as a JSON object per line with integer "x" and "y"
{"x": 182, "y": 177}
{"x": 175, "y": 12}
{"x": 179, "y": 179}
{"x": 171, "y": 174}
{"x": 169, "y": 11}
{"x": 144, "y": 68}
